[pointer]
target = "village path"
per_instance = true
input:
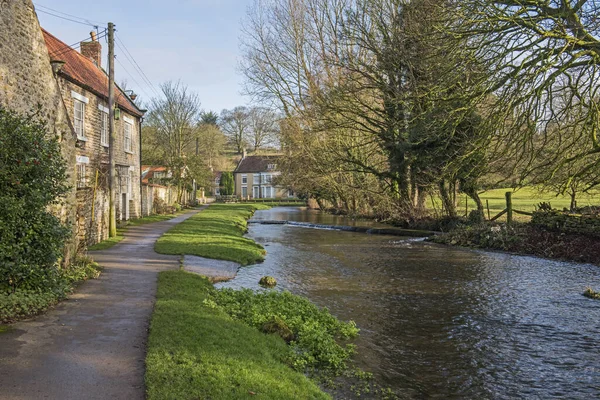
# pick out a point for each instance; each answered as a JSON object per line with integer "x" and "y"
{"x": 92, "y": 346}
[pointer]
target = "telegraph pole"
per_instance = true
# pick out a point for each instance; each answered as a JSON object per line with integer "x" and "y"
{"x": 112, "y": 217}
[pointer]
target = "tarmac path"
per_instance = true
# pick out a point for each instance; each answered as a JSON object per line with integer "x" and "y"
{"x": 92, "y": 346}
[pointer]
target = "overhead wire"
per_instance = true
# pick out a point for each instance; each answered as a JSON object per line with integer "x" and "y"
{"x": 136, "y": 66}
{"x": 68, "y": 17}
{"x": 67, "y": 48}
{"x": 141, "y": 87}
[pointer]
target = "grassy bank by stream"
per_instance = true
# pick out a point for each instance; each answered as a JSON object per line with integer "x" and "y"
{"x": 197, "y": 351}
{"x": 216, "y": 232}
{"x": 225, "y": 344}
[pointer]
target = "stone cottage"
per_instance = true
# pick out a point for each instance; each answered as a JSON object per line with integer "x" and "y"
{"x": 83, "y": 85}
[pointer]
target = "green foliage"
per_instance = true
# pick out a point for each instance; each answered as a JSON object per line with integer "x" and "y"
{"x": 315, "y": 331}
{"x": 227, "y": 184}
{"x": 268, "y": 281}
{"x": 32, "y": 178}
{"x": 216, "y": 232}
{"x": 196, "y": 351}
{"x": 23, "y": 303}
{"x": 590, "y": 293}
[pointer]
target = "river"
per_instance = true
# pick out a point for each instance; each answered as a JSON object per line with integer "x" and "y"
{"x": 437, "y": 321}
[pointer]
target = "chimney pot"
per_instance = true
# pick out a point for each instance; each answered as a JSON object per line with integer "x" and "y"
{"x": 93, "y": 36}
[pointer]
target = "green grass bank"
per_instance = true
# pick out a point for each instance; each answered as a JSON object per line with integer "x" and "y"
{"x": 197, "y": 351}
{"x": 217, "y": 232}
{"x": 226, "y": 344}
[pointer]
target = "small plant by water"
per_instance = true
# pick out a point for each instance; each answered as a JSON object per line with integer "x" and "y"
{"x": 590, "y": 293}
{"x": 267, "y": 281}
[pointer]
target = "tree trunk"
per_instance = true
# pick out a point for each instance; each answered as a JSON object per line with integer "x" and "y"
{"x": 447, "y": 200}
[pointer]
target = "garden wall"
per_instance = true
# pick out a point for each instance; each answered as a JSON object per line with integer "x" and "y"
{"x": 567, "y": 223}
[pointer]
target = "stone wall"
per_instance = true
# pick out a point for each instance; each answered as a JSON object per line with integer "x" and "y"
{"x": 27, "y": 82}
{"x": 567, "y": 223}
{"x": 95, "y": 154}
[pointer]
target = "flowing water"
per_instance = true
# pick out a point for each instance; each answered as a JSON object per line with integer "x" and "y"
{"x": 442, "y": 322}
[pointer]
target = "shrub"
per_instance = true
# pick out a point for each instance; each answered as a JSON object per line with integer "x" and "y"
{"x": 227, "y": 184}
{"x": 32, "y": 178}
{"x": 21, "y": 303}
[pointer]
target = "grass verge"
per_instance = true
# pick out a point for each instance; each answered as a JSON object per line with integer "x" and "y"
{"x": 216, "y": 232}
{"x": 110, "y": 242}
{"x": 196, "y": 351}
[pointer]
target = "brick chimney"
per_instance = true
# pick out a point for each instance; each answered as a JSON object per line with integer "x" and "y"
{"x": 92, "y": 50}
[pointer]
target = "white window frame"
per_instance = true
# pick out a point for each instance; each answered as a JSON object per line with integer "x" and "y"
{"x": 81, "y": 170}
{"x": 81, "y": 175}
{"x": 244, "y": 189}
{"x": 79, "y": 119}
{"x": 103, "y": 125}
{"x": 128, "y": 136}
{"x": 256, "y": 179}
{"x": 244, "y": 179}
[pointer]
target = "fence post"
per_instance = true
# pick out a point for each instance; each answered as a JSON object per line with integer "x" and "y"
{"x": 509, "y": 208}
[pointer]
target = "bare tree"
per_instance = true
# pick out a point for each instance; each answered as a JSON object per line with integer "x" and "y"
{"x": 236, "y": 126}
{"x": 544, "y": 63}
{"x": 264, "y": 125}
{"x": 173, "y": 123}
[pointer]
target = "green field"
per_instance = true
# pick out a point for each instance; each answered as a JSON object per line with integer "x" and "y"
{"x": 525, "y": 199}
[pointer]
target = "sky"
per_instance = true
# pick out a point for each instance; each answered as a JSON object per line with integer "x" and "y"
{"x": 192, "y": 41}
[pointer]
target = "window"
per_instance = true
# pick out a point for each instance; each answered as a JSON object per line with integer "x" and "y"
{"x": 244, "y": 192}
{"x": 127, "y": 129}
{"x": 244, "y": 179}
{"x": 81, "y": 176}
{"x": 271, "y": 166}
{"x": 79, "y": 118}
{"x": 268, "y": 179}
{"x": 256, "y": 179}
{"x": 104, "y": 128}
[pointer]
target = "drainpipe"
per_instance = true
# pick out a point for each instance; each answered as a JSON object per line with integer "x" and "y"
{"x": 141, "y": 120}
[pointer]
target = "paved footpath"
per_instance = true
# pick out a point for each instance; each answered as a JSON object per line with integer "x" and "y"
{"x": 92, "y": 346}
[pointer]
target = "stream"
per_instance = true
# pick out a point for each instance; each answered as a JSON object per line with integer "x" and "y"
{"x": 437, "y": 321}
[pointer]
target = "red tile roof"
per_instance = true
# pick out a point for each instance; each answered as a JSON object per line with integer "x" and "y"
{"x": 83, "y": 72}
{"x": 149, "y": 170}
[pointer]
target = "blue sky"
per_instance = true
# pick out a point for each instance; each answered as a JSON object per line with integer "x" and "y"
{"x": 195, "y": 41}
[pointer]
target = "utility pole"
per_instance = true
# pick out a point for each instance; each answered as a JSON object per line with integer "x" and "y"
{"x": 112, "y": 216}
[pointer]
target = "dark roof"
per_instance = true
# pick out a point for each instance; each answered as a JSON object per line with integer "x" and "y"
{"x": 83, "y": 72}
{"x": 257, "y": 164}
